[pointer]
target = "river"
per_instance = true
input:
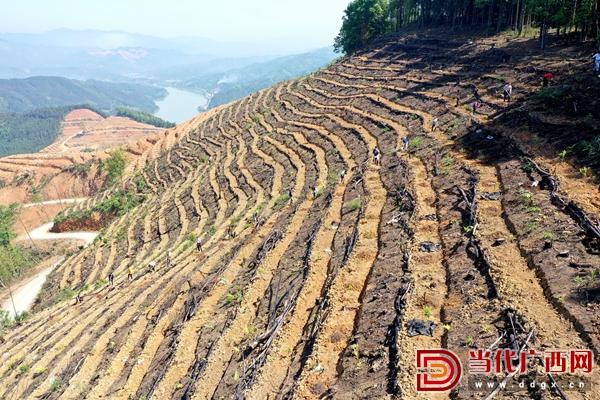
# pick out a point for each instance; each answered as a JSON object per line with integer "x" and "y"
{"x": 180, "y": 105}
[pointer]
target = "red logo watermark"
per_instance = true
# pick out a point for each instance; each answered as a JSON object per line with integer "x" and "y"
{"x": 438, "y": 370}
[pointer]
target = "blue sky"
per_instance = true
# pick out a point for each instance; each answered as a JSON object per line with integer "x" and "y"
{"x": 310, "y": 22}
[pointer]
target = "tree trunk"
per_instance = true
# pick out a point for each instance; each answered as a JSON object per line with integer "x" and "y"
{"x": 522, "y": 16}
{"x": 543, "y": 34}
{"x": 597, "y": 27}
{"x": 399, "y": 15}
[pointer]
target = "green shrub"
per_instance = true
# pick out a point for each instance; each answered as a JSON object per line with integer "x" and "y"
{"x": 114, "y": 165}
{"x": 140, "y": 183}
{"x": 143, "y": 117}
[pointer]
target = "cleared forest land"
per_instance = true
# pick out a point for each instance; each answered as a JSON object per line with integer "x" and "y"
{"x": 314, "y": 258}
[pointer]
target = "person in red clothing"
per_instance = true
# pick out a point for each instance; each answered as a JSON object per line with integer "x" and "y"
{"x": 547, "y": 78}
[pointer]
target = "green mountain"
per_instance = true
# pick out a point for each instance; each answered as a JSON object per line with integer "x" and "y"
{"x": 22, "y": 95}
{"x": 31, "y": 131}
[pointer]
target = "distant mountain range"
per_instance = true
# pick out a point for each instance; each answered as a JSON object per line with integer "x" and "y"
{"x": 115, "y": 55}
{"x": 109, "y": 69}
{"x": 22, "y": 95}
{"x": 233, "y": 84}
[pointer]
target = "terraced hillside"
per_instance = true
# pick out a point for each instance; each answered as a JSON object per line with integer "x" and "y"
{"x": 314, "y": 258}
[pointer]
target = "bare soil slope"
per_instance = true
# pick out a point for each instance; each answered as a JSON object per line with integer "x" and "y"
{"x": 315, "y": 258}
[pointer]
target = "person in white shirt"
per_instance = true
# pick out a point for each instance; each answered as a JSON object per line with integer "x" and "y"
{"x": 596, "y": 58}
{"x": 507, "y": 91}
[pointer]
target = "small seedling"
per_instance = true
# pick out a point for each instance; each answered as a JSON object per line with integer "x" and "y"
{"x": 526, "y": 197}
{"x": 427, "y": 311}
{"x": 563, "y": 154}
{"x": 23, "y": 368}
{"x": 469, "y": 341}
{"x": 585, "y": 171}
{"x": 55, "y": 385}
{"x": 355, "y": 350}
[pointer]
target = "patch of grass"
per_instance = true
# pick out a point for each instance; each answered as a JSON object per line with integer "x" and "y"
{"x": 212, "y": 229}
{"x": 100, "y": 283}
{"x": 281, "y": 201}
{"x": 118, "y": 204}
{"x": 548, "y": 236}
{"x": 354, "y": 205}
{"x": 203, "y": 158}
{"x": 23, "y": 368}
{"x": 234, "y": 297}
{"x": 249, "y": 330}
{"x": 140, "y": 183}
{"x": 526, "y": 197}
{"x": 448, "y": 161}
{"x": 66, "y": 294}
{"x": 415, "y": 142}
{"x": 55, "y": 385}
{"x": 531, "y": 226}
{"x": 533, "y": 210}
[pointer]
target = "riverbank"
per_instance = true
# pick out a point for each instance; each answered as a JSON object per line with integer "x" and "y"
{"x": 180, "y": 105}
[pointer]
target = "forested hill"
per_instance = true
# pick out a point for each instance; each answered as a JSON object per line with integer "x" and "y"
{"x": 31, "y": 131}
{"x": 365, "y": 20}
{"x": 22, "y": 95}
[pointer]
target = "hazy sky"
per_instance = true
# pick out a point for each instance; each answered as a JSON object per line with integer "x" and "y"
{"x": 310, "y": 22}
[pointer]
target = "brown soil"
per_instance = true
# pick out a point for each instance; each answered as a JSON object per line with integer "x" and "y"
{"x": 315, "y": 260}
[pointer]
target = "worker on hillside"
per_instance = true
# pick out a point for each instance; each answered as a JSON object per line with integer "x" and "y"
{"x": 507, "y": 92}
{"x": 129, "y": 274}
{"x": 596, "y": 58}
{"x": 152, "y": 266}
{"x": 111, "y": 279}
{"x": 547, "y": 78}
{"x": 405, "y": 143}
{"x": 169, "y": 259}
{"x": 316, "y": 192}
{"x": 199, "y": 244}
{"x": 476, "y": 93}
{"x": 434, "y": 124}
{"x": 78, "y": 298}
{"x": 474, "y": 106}
{"x": 342, "y": 175}
{"x": 377, "y": 155}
